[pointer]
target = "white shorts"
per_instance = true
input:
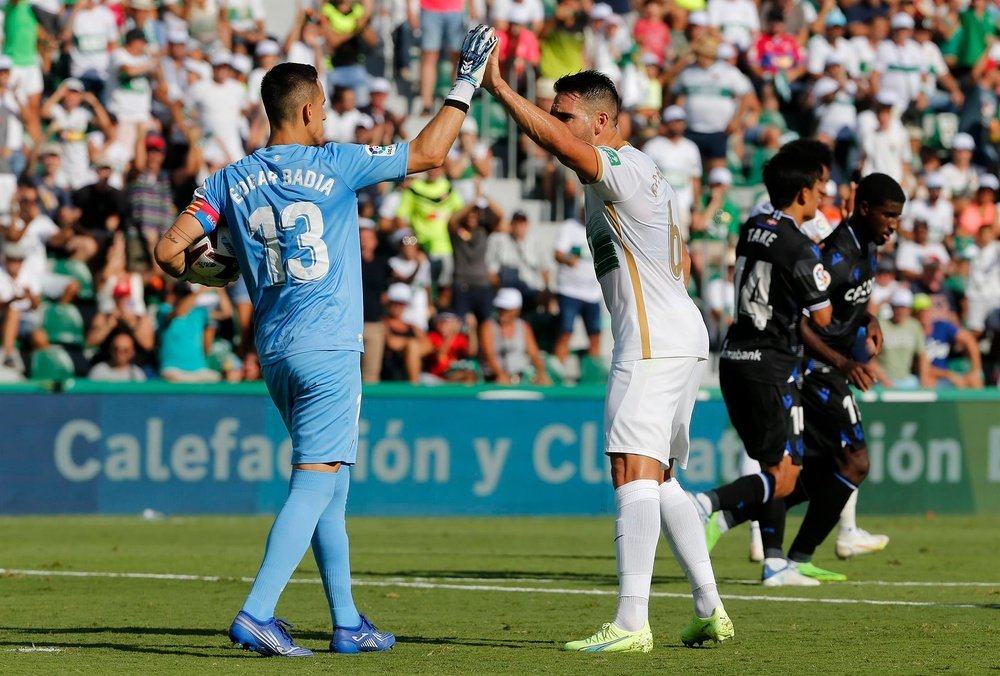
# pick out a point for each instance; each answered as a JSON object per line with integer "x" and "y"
{"x": 26, "y": 81}
{"x": 648, "y": 407}
{"x": 978, "y": 309}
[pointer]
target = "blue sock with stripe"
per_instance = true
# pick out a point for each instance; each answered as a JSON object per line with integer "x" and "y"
{"x": 332, "y": 551}
{"x": 309, "y": 494}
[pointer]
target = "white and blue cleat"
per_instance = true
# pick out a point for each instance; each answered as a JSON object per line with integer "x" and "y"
{"x": 269, "y": 638}
{"x": 365, "y": 638}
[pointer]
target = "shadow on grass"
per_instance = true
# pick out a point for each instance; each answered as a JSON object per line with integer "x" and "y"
{"x": 601, "y": 579}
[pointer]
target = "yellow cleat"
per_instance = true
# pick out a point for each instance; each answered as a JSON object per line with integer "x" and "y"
{"x": 716, "y": 628}
{"x": 611, "y": 639}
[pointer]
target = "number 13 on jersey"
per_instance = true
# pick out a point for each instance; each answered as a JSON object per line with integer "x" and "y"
{"x": 264, "y": 225}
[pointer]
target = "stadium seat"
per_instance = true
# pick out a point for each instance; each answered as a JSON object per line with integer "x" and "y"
{"x": 52, "y": 363}
{"x": 220, "y": 355}
{"x": 63, "y": 324}
{"x": 79, "y": 271}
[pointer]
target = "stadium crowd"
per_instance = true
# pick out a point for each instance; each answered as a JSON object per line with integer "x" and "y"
{"x": 112, "y": 113}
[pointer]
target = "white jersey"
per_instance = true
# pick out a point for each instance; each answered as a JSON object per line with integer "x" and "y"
{"x": 634, "y": 236}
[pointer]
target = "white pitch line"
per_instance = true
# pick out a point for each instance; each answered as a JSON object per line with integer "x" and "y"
{"x": 425, "y": 584}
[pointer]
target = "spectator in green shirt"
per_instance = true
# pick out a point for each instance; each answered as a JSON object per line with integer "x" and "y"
{"x": 978, "y": 26}
{"x": 716, "y": 225}
{"x": 21, "y": 37}
{"x": 562, "y": 40}
{"x": 426, "y": 207}
{"x": 903, "y": 347}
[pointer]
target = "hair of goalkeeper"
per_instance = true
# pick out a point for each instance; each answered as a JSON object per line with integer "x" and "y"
{"x": 595, "y": 89}
{"x": 285, "y": 89}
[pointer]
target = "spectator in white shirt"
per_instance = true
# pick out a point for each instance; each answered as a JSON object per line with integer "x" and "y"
{"x": 983, "y": 290}
{"x": 936, "y": 211}
{"x": 130, "y": 91}
{"x": 516, "y": 260}
{"x": 72, "y": 111}
{"x": 899, "y": 63}
{"x": 820, "y": 48}
{"x": 221, "y": 105}
{"x": 120, "y": 366}
{"x": 92, "y": 32}
{"x": 961, "y": 178}
{"x": 886, "y": 149}
{"x": 937, "y": 73}
{"x": 738, "y": 20}
{"x": 579, "y": 292}
{"x": 914, "y": 254}
{"x": 679, "y": 160}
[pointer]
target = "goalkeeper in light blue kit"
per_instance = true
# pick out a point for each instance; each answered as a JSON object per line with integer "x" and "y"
{"x": 292, "y": 212}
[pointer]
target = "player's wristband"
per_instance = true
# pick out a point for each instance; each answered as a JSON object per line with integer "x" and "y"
{"x": 461, "y": 92}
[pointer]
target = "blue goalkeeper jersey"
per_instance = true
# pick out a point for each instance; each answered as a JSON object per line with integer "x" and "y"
{"x": 292, "y": 212}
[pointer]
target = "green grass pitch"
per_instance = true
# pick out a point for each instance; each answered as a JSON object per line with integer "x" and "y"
{"x": 482, "y": 596}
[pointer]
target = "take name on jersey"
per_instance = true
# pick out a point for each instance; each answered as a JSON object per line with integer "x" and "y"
{"x": 779, "y": 273}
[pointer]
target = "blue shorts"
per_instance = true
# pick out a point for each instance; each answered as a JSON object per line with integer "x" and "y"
{"x": 570, "y": 308}
{"x": 713, "y": 145}
{"x": 319, "y": 397}
{"x": 441, "y": 31}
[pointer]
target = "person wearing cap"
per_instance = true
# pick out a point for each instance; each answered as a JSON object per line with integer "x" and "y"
{"x": 508, "y": 350}
{"x": 982, "y": 291}
{"x": 410, "y": 266}
{"x": 516, "y": 259}
{"x": 406, "y": 345}
{"x": 122, "y": 309}
{"x": 388, "y": 125}
{"x": 738, "y": 21}
{"x": 20, "y": 297}
{"x": 833, "y": 100}
{"x": 71, "y": 111}
{"x": 606, "y": 42}
{"x": 944, "y": 338}
{"x": 715, "y": 96}
{"x": 982, "y": 211}
{"x": 103, "y": 207}
{"x": 132, "y": 73}
{"x": 53, "y": 182}
{"x": 717, "y": 225}
{"x": 886, "y": 148}
{"x": 92, "y": 32}
{"x": 899, "y": 63}
{"x": 679, "y": 160}
{"x": 221, "y": 105}
{"x": 903, "y": 363}
{"x": 960, "y": 176}
{"x": 150, "y": 188}
{"x": 936, "y": 210}
{"x": 832, "y": 44}
{"x": 470, "y": 161}
{"x": 885, "y": 285}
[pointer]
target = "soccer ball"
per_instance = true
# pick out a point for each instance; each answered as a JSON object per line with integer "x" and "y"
{"x": 211, "y": 261}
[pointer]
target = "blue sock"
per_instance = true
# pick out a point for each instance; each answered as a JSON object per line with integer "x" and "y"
{"x": 309, "y": 493}
{"x": 332, "y": 552}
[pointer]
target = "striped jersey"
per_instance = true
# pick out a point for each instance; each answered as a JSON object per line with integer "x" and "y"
{"x": 634, "y": 237}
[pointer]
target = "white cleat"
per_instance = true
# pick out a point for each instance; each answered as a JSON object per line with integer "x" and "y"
{"x": 784, "y": 573}
{"x": 859, "y": 541}
{"x": 756, "y": 544}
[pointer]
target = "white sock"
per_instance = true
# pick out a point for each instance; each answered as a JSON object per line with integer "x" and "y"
{"x": 748, "y": 465}
{"x": 686, "y": 537}
{"x": 848, "y": 515}
{"x": 636, "y": 536}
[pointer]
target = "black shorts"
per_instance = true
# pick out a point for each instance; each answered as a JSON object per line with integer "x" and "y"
{"x": 833, "y": 421}
{"x": 767, "y": 416}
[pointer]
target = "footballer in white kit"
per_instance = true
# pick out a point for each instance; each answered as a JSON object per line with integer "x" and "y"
{"x": 661, "y": 342}
{"x": 661, "y": 347}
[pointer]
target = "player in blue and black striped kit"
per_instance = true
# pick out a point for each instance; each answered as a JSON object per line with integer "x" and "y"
{"x": 292, "y": 212}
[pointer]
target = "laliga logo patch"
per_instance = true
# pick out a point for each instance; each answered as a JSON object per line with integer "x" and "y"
{"x": 821, "y": 277}
{"x": 381, "y": 151}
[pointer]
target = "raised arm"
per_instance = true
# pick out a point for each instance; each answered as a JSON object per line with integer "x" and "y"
{"x": 430, "y": 147}
{"x": 541, "y": 127}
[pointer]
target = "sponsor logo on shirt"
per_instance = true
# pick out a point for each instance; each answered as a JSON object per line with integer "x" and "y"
{"x": 613, "y": 158}
{"x": 741, "y": 355}
{"x": 381, "y": 151}
{"x": 821, "y": 277}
